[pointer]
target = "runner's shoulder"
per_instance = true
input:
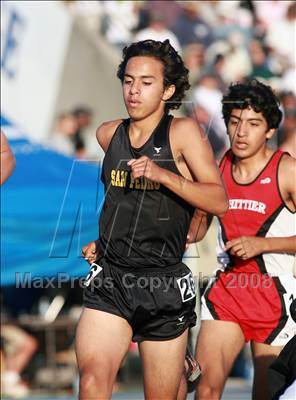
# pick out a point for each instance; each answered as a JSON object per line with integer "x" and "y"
{"x": 186, "y": 130}
{"x": 287, "y": 165}
{"x": 185, "y": 122}
{"x": 106, "y": 131}
{"x": 287, "y": 168}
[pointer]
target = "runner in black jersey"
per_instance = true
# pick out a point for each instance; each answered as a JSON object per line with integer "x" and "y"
{"x": 157, "y": 170}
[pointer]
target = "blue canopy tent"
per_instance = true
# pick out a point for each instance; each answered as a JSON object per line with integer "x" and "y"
{"x": 49, "y": 209}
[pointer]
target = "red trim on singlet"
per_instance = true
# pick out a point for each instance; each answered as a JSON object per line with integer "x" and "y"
{"x": 253, "y": 207}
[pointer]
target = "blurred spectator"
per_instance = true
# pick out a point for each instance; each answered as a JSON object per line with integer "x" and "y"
{"x": 287, "y": 130}
{"x": 239, "y": 11}
{"x": 118, "y": 20}
{"x": 207, "y": 95}
{"x": 208, "y": 12}
{"x": 233, "y": 20}
{"x": 169, "y": 10}
{"x": 237, "y": 63}
{"x": 194, "y": 59}
{"x": 218, "y": 143}
{"x": 17, "y": 349}
{"x": 216, "y": 70}
{"x": 231, "y": 34}
{"x": 288, "y": 79}
{"x": 270, "y": 12}
{"x": 7, "y": 159}
{"x": 157, "y": 30}
{"x": 83, "y": 116}
{"x": 190, "y": 28}
{"x": 206, "y": 108}
{"x": 259, "y": 60}
{"x": 248, "y": 5}
{"x": 280, "y": 37}
{"x": 62, "y": 138}
{"x": 143, "y": 19}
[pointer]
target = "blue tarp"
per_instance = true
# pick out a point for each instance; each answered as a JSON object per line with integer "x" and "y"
{"x": 49, "y": 209}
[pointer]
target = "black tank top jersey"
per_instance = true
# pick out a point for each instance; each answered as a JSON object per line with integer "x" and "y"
{"x": 142, "y": 223}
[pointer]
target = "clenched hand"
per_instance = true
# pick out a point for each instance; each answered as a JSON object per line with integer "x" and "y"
{"x": 144, "y": 166}
{"x": 246, "y": 247}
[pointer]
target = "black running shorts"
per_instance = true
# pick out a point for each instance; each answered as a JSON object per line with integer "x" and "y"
{"x": 158, "y": 303}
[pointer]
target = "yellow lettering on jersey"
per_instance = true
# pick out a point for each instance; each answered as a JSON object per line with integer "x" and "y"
{"x": 132, "y": 182}
{"x": 119, "y": 178}
{"x": 149, "y": 185}
{"x": 113, "y": 173}
{"x": 123, "y": 178}
{"x": 117, "y": 181}
{"x": 143, "y": 183}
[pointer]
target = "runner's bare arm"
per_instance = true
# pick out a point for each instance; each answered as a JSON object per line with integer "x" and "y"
{"x": 7, "y": 159}
{"x": 199, "y": 226}
{"x": 247, "y": 247}
{"x": 206, "y": 190}
{"x": 287, "y": 177}
{"x": 105, "y": 133}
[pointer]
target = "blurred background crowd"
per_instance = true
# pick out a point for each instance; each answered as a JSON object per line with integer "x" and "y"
{"x": 221, "y": 42}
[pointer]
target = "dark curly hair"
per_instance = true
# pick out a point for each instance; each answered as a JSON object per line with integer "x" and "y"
{"x": 256, "y": 95}
{"x": 175, "y": 72}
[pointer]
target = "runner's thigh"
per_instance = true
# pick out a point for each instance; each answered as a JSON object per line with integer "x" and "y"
{"x": 218, "y": 345}
{"x": 163, "y": 364}
{"x": 263, "y": 356}
{"x": 102, "y": 340}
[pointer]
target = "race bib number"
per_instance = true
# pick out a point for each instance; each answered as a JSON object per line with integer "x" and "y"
{"x": 186, "y": 287}
{"x": 95, "y": 269}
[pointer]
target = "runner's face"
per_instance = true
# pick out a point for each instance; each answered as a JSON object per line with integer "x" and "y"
{"x": 143, "y": 87}
{"x": 248, "y": 131}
